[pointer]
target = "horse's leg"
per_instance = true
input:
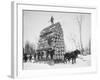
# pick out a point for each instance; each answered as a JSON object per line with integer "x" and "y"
{"x": 75, "y": 60}
{"x": 68, "y": 60}
{"x": 72, "y": 61}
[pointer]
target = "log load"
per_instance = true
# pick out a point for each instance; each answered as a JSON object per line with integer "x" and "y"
{"x": 53, "y": 37}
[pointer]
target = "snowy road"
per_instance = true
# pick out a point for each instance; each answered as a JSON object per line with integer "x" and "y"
{"x": 82, "y": 61}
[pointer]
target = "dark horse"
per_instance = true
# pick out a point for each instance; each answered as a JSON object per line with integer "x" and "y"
{"x": 71, "y": 56}
{"x": 67, "y": 57}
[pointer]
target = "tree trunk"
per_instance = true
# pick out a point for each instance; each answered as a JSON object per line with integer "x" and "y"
{"x": 80, "y": 31}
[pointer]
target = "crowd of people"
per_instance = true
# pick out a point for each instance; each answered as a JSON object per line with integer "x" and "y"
{"x": 49, "y": 55}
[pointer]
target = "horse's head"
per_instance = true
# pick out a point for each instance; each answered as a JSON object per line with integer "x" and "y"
{"x": 77, "y": 51}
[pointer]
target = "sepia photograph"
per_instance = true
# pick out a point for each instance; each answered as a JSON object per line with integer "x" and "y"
{"x": 55, "y": 39}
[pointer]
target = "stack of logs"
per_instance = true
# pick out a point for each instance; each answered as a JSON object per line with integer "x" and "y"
{"x": 52, "y": 37}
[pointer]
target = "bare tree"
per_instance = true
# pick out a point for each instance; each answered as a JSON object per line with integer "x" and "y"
{"x": 32, "y": 48}
{"x": 89, "y": 46}
{"x": 27, "y": 48}
{"x": 75, "y": 41}
{"x": 79, "y": 20}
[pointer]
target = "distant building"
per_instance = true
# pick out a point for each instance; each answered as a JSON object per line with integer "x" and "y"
{"x": 52, "y": 37}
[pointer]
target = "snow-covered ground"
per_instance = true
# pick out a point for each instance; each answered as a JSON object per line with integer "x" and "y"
{"x": 82, "y": 61}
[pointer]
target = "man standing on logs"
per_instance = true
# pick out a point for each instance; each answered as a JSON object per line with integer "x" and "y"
{"x": 52, "y": 20}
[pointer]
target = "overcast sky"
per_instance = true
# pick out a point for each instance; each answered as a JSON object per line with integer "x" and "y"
{"x": 35, "y": 21}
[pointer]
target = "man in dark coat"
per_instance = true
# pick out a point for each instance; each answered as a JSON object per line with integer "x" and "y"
{"x": 52, "y": 20}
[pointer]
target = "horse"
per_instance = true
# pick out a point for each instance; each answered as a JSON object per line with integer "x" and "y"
{"x": 71, "y": 56}
{"x": 74, "y": 55}
{"x": 67, "y": 57}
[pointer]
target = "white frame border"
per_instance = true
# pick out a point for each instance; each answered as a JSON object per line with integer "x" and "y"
{"x": 17, "y": 41}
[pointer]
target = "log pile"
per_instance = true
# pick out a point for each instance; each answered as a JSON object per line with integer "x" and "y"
{"x": 52, "y": 37}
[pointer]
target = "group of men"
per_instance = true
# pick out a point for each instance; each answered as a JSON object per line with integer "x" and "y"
{"x": 40, "y": 55}
{"x": 48, "y": 55}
